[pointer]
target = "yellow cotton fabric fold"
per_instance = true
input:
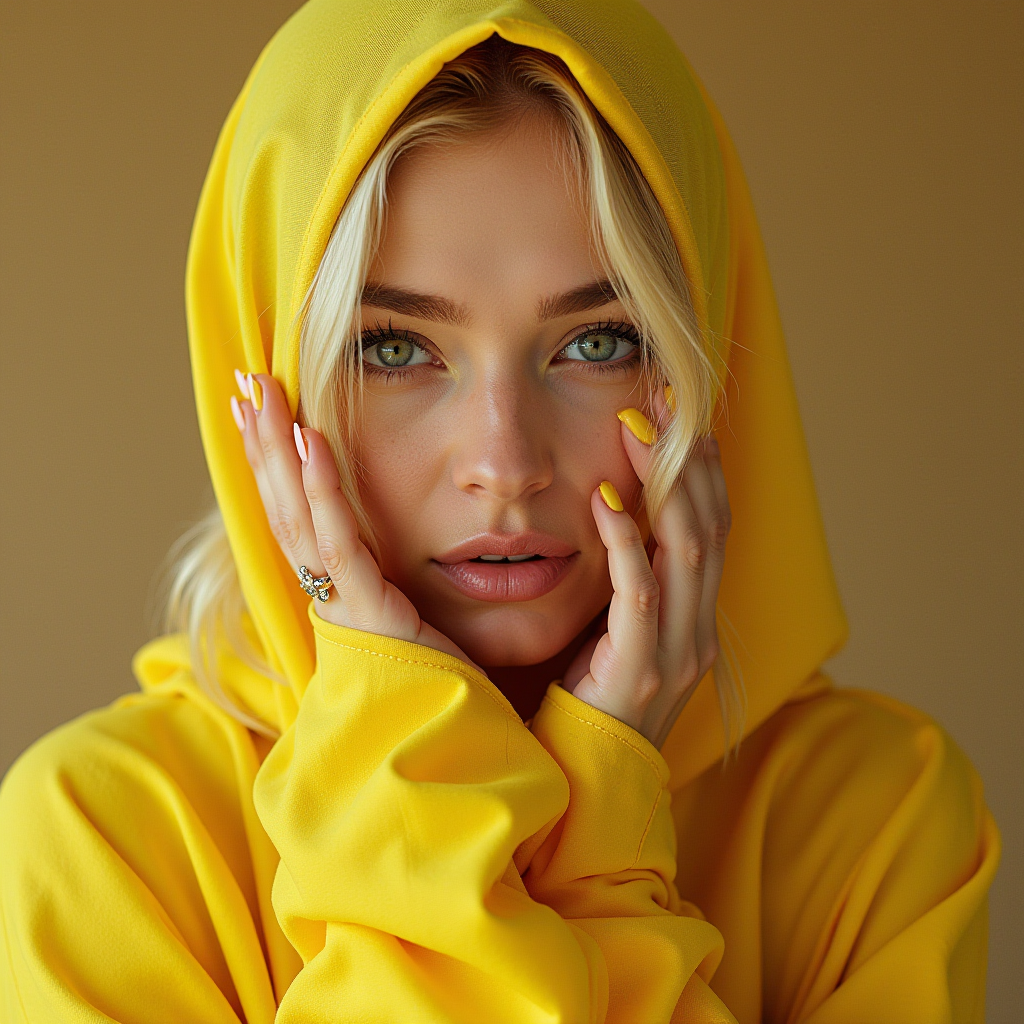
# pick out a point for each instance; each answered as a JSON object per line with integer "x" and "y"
{"x": 409, "y": 850}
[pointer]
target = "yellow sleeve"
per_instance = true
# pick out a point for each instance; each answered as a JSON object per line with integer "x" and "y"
{"x": 131, "y": 873}
{"x": 609, "y": 864}
{"x": 397, "y": 802}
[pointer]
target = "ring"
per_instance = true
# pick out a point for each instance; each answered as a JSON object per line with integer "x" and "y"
{"x": 315, "y": 587}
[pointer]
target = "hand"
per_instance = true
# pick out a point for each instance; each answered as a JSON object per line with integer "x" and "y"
{"x": 661, "y": 634}
{"x": 313, "y": 523}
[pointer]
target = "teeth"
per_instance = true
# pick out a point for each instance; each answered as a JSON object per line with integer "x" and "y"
{"x": 492, "y": 558}
{"x": 503, "y": 558}
{"x": 519, "y": 558}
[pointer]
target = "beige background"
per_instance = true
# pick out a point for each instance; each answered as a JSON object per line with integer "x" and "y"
{"x": 884, "y": 144}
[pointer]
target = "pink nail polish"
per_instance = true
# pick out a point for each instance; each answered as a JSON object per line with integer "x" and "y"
{"x": 243, "y": 385}
{"x": 236, "y": 411}
{"x": 300, "y": 443}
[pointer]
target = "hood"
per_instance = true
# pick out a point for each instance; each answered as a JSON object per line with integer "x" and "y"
{"x": 315, "y": 106}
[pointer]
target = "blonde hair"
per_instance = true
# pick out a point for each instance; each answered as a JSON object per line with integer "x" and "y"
{"x": 487, "y": 89}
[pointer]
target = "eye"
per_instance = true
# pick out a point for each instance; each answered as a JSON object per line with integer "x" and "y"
{"x": 393, "y": 350}
{"x": 603, "y": 344}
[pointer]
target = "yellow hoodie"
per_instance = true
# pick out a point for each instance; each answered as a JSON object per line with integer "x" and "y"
{"x": 409, "y": 850}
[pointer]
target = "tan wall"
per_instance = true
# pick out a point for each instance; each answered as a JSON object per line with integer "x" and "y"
{"x": 884, "y": 148}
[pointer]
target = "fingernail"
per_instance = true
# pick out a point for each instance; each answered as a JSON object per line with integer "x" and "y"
{"x": 670, "y": 398}
{"x": 300, "y": 443}
{"x": 611, "y": 496}
{"x": 243, "y": 385}
{"x": 255, "y": 392}
{"x": 639, "y": 425}
{"x": 711, "y": 445}
{"x": 236, "y": 411}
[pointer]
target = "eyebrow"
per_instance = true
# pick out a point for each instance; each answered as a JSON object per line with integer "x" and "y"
{"x": 440, "y": 310}
{"x": 424, "y": 307}
{"x": 578, "y": 300}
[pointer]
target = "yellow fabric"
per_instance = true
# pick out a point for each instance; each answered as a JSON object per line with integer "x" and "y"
{"x": 440, "y": 862}
{"x": 409, "y": 850}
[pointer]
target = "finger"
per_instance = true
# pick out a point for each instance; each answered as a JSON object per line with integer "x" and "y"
{"x": 713, "y": 460}
{"x": 638, "y": 434}
{"x": 679, "y": 565}
{"x": 678, "y": 558}
{"x": 706, "y": 487}
{"x": 663, "y": 406}
{"x": 292, "y": 523}
{"x": 245, "y": 418}
{"x": 340, "y": 550}
{"x": 580, "y": 664}
{"x": 627, "y": 657}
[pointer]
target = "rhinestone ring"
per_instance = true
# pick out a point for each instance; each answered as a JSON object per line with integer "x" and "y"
{"x": 314, "y": 586}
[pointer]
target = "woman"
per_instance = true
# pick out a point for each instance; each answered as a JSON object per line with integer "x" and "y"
{"x": 468, "y": 289}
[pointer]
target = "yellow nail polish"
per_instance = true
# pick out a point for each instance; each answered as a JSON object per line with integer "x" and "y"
{"x": 611, "y": 496}
{"x": 670, "y": 398}
{"x": 255, "y": 392}
{"x": 639, "y": 425}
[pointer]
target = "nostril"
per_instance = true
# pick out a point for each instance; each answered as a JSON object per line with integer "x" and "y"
{"x": 502, "y": 461}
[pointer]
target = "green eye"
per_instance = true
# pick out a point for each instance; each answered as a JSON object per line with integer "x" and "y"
{"x": 600, "y": 346}
{"x": 395, "y": 353}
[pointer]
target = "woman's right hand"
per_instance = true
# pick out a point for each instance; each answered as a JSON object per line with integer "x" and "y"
{"x": 313, "y": 523}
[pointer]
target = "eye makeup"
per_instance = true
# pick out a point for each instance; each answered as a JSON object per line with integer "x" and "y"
{"x": 603, "y": 345}
{"x": 393, "y": 353}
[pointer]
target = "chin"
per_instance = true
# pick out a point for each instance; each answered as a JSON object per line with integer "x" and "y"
{"x": 506, "y": 635}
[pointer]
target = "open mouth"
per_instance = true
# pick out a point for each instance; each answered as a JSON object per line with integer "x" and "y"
{"x": 498, "y": 559}
{"x": 508, "y": 567}
{"x": 508, "y": 578}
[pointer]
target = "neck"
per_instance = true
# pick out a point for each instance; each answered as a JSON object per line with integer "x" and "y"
{"x": 524, "y": 686}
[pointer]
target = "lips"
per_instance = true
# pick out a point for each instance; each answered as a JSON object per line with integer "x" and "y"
{"x": 536, "y": 564}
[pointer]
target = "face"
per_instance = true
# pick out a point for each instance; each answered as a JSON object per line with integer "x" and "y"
{"x": 495, "y": 359}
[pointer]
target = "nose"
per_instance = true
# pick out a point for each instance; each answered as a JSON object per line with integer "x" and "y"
{"x": 502, "y": 445}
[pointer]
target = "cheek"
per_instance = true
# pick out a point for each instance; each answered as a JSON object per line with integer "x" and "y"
{"x": 403, "y": 466}
{"x": 587, "y": 445}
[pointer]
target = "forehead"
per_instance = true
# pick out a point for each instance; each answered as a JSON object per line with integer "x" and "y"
{"x": 486, "y": 213}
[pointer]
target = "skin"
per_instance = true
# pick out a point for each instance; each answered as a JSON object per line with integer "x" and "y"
{"x": 498, "y": 425}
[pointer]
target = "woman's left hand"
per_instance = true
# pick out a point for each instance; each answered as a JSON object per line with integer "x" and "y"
{"x": 662, "y": 635}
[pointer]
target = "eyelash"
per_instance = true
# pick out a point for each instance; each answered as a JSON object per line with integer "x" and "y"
{"x": 617, "y": 328}
{"x": 380, "y": 333}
